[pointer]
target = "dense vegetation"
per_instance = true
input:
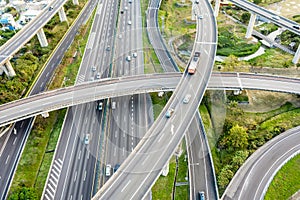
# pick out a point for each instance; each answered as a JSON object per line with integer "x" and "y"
{"x": 242, "y": 133}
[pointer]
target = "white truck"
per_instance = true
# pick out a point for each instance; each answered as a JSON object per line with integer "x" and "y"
{"x": 193, "y": 63}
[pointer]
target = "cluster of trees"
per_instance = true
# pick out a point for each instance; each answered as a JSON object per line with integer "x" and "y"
{"x": 24, "y": 193}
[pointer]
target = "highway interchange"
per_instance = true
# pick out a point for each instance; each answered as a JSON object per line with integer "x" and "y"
{"x": 88, "y": 77}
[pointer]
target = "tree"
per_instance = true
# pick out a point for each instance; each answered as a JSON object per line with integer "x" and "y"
{"x": 235, "y": 138}
{"x": 24, "y": 193}
{"x": 245, "y": 17}
{"x": 238, "y": 159}
{"x": 225, "y": 176}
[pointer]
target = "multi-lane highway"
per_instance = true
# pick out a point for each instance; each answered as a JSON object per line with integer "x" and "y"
{"x": 253, "y": 178}
{"x": 92, "y": 91}
{"x": 14, "y": 143}
{"x": 145, "y": 163}
{"x": 73, "y": 174}
{"x": 130, "y": 118}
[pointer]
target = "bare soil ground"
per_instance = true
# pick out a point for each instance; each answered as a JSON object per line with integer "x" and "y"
{"x": 287, "y": 8}
{"x": 263, "y": 101}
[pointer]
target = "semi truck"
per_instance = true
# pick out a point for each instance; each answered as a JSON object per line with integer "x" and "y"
{"x": 193, "y": 63}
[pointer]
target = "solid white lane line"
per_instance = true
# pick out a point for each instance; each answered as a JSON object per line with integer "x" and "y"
{"x": 75, "y": 176}
{"x": 125, "y": 186}
{"x": 145, "y": 160}
{"x": 7, "y": 159}
{"x": 15, "y": 141}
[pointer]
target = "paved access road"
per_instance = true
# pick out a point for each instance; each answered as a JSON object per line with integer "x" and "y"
{"x": 253, "y": 178}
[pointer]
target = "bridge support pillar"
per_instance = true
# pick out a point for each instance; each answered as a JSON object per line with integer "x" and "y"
{"x": 217, "y": 8}
{"x": 7, "y": 69}
{"x": 251, "y": 25}
{"x": 165, "y": 170}
{"x": 62, "y": 14}
{"x": 296, "y": 56}
{"x": 45, "y": 114}
{"x": 42, "y": 38}
{"x": 75, "y": 2}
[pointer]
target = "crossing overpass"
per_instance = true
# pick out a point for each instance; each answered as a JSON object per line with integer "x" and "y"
{"x": 115, "y": 87}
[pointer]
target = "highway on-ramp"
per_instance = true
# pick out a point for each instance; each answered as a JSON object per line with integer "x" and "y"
{"x": 253, "y": 178}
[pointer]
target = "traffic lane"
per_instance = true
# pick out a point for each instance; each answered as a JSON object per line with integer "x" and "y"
{"x": 165, "y": 128}
{"x": 203, "y": 81}
{"x": 63, "y": 152}
{"x": 197, "y": 161}
{"x": 77, "y": 163}
{"x": 267, "y": 164}
{"x": 11, "y": 154}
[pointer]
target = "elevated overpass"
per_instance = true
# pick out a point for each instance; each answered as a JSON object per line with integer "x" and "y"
{"x": 115, "y": 87}
{"x": 34, "y": 27}
{"x": 271, "y": 16}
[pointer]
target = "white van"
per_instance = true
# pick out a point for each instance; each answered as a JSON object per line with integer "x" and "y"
{"x": 108, "y": 170}
{"x": 113, "y": 105}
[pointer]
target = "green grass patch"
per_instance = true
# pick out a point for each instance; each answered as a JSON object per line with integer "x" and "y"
{"x": 162, "y": 189}
{"x": 273, "y": 58}
{"x": 48, "y": 154}
{"x": 176, "y": 18}
{"x": 286, "y": 181}
{"x": 230, "y": 41}
{"x": 33, "y": 153}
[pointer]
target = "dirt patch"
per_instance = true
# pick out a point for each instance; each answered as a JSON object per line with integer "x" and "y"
{"x": 287, "y": 8}
{"x": 264, "y": 101}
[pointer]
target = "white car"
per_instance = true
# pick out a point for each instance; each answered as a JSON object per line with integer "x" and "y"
{"x": 87, "y": 139}
{"x": 129, "y": 22}
{"x": 134, "y": 54}
{"x": 108, "y": 170}
{"x": 98, "y": 76}
{"x": 100, "y": 106}
{"x": 186, "y": 98}
{"x": 128, "y": 58}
